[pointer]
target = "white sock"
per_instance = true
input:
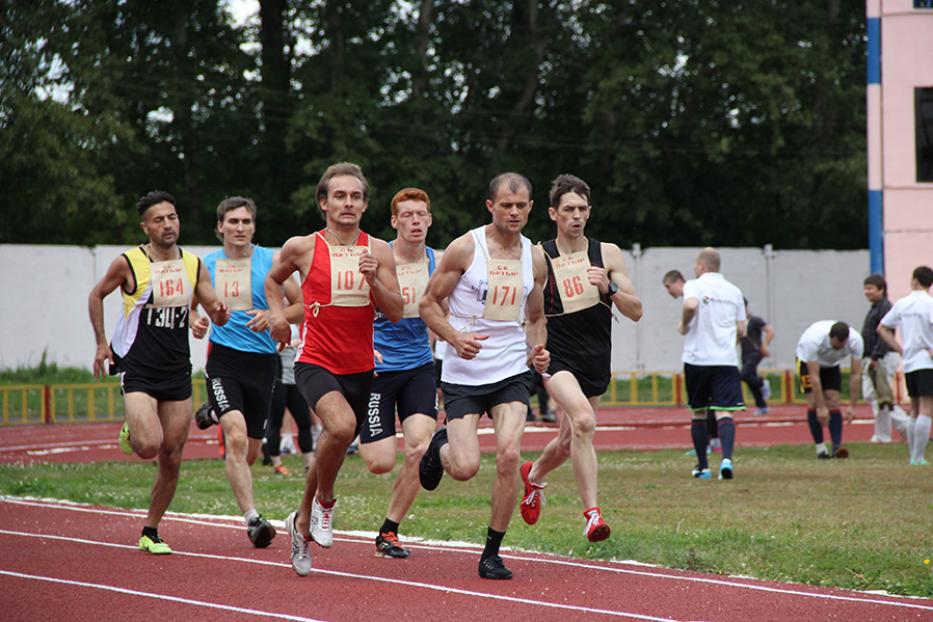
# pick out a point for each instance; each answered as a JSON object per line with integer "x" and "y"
{"x": 250, "y": 514}
{"x": 882, "y": 424}
{"x": 821, "y": 449}
{"x": 921, "y": 437}
{"x": 899, "y": 418}
{"x": 910, "y": 438}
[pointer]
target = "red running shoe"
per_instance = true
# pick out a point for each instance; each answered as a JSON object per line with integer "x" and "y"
{"x": 533, "y": 498}
{"x": 596, "y": 528}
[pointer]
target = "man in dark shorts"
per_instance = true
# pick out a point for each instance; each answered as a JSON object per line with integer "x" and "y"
{"x": 755, "y": 346}
{"x": 712, "y": 321}
{"x": 491, "y": 281}
{"x": 149, "y": 347}
{"x": 913, "y": 314}
{"x": 586, "y": 279}
{"x": 345, "y": 277}
{"x": 242, "y": 360}
{"x": 820, "y": 350}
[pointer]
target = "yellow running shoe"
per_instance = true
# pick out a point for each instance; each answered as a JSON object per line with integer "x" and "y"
{"x": 124, "y": 440}
{"x": 154, "y": 545}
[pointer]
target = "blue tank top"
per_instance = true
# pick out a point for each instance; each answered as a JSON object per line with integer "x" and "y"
{"x": 235, "y": 334}
{"x": 404, "y": 345}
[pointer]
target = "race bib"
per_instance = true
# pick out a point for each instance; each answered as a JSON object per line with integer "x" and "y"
{"x": 576, "y": 292}
{"x": 233, "y": 282}
{"x": 348, "y": 288}
{"x": 170, "y": 287}
{"x": 505, "y": 290}
{"x": 412, "y": 281}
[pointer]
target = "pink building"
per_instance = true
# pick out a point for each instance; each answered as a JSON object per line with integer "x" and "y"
{"x": 900, "y": 138}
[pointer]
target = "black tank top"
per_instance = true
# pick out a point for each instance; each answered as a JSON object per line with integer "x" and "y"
{"x": 582, "y": 340}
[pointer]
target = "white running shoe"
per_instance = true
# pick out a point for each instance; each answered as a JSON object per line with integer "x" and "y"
{"x": 766, "y": 389}
{"x": 322, "y": 529}
{"x": 301, "y": 547}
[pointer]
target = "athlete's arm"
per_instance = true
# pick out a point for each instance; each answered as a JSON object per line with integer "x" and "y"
{"x": 216, "y": 309}
{"x": 118, "y": 274}
{"x": 198, "y": 323}
{"x": 295, "y": 311}
{"x": 888, "y": 335}
{"x": 766, "y": 339}
{"x": 378, "y": 268}
{"x": 626, "y": 300}
{"x": 689, "y": 312}
{"x": 284, "y": 264}
{"x": 740, "y": 327}
{"x": 855, "y": 383}
{"x": 536, "y": 324}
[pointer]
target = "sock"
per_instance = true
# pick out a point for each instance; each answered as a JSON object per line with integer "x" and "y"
{"x": 882, "y": 423}
{"x": 909, "y": 428}
{"x": 700, "y": 435}
{"x": 727, "y": 434}
{"x": 835, "y": 428}
{"x": 389, "y": 526}
{"x": 493, "y": 541}
{"x": 921, "y": 436}
{"x": 816, "y": 430}
{"x": 250, "y": 514}
{"x": 900, "y": 419}
{"x": 821, "y": 449}
{"x": 151, "y": 532}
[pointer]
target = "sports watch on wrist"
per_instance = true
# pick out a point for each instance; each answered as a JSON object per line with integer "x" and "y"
{"x": 612, "y": 289}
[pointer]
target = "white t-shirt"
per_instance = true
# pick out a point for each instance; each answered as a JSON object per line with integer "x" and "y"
{"x": 814, "y": 345}
{"x": 914, "y": 316}
{"x": 710, "y": 338}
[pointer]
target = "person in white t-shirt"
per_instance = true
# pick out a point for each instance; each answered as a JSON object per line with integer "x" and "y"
{"x": 821, "y": 349}
{"x": 913, "y": 315}
{"x": 713, "y": 321}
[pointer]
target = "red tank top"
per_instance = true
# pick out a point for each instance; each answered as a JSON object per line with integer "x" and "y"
{"x": 336, "y": 336}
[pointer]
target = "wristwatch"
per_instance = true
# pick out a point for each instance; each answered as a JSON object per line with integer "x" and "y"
{"x": 612, "y": 289}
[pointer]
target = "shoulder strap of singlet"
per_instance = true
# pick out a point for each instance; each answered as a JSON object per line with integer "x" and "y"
{"x": 595, "y": 253}
{"x": 431, "y": 259}
{"x": 550, "y": 248}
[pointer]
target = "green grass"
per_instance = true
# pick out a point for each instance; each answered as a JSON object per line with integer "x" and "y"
{"x": 862, "y": 523}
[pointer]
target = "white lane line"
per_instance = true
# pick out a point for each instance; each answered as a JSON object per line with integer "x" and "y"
{"x": 352, "y": 575}
{"x": 99, "y": 443}
{"x": 174, "y": 599}
{"x": 460, "y": 548}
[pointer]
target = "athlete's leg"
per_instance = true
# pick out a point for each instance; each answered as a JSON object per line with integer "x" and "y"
{"x": 274, "y": 424}
{"x": 417, "y": 429}
{"x": 509, "y": 420}
{"x": 236, "y": 463}
{"x": 835, "y": 417}
{"x": 460, "y": 454}
{"x": 922, "y": 426}
{"x": 175, "y": 418}
{"x": 142, "y": 418}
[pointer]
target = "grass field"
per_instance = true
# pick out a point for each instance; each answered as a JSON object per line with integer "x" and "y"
{"x": 864, "y": 523}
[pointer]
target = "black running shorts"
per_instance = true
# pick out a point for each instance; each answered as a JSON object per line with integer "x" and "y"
{"x": 241, "y": 381}
{"x": 461, "y": 399}
{"x": 830, "y": 377}
{"x": 315, "y": 382}
{"x": 408, "y": 392}
{"x": 717, "y": 387}
{"x": 594, "y": 382}
{"x": 169, "y": 388}
{"x": 919, "y": 383}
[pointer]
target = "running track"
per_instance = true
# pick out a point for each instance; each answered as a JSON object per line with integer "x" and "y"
{"x": 58, "y": 562}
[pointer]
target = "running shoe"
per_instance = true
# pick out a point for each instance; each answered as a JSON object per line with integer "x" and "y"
{"x": 823, "y": 455}
{"x": 322, "y": 528}
{"x": 766, "y": 389}
{"x": 533, "y": 497}
{"x": 701, "y": 473}
{"x": 431, "y": 469}
{"x": 725, "y": 469}
{"x": 841, "y": 453}
{"x": 387, "y": 545}
{"x": 596, "y": 528}
{"x": 204, "y": 416}
{"x": 154, "y": 545}
{"x": 124, "y": 440}
{"x": 301, "y": 547}
{"x": 920, "y": 462}
{"x": 492, "y": 568}
{"x": 282, "y": 470}
{"x": 260, "y": 532}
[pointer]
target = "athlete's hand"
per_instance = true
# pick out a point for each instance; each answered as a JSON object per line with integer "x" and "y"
{"x": 368, "y": 267}
{"x": 822, "y": 414}
{"x": 599, "y": 278}
{"x": 765, "y": 352}
{"x": 468, "y": 345}
{"x": 682, "y": 328}
{"x": 260, "y": 321}
{"x": 873, "y": 364}
{"x": 850, "y": 414}
{"x": 280, "y": 331}
{"x": 104, "y": 353}
{"x": 199, "y": 325}
{"x": 377, "y": 356}
{"x": 219, "y": 312}
{"x": 540, "y": 358}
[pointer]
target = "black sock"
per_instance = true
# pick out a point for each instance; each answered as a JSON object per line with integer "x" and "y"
{"x": 816, "y": 429}
{"x": 727, "y": 436}
{"x": 493, "y": 541}
{"x": 835, "y": 428}
{"x": 151, "y": 532}
{"x": 388, "y": 526}
{"x": 700, "y": 435}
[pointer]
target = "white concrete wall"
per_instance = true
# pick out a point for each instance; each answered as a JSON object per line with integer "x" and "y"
{"x": 45, "y": 301}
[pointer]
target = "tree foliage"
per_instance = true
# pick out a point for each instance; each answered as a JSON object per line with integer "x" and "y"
{"x": 695, "y": 121}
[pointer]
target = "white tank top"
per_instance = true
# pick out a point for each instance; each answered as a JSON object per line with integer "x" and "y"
{"x": 504, "y": 353}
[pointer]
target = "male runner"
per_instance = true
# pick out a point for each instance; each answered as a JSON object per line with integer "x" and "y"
{"x": 755, "y": 346}
{"x": 149, "y": 347}
{"x": 345, "y": 276}
{"x": 405, "y": 372}
{"x": 586, "y": 278}
{"x": 491, "y": 280}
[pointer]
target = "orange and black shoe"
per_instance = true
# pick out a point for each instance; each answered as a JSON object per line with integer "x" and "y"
{"x": 388, "y": 545}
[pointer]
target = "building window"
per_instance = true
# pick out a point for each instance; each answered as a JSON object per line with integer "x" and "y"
{"x": 923, "y": 4}
{"x": 923, "y": 111}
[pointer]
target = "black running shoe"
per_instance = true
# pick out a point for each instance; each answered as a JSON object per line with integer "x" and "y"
{"x": 841, "y": 452}
{"x": 823, "y": 455}
{"x": 260, "y": 532}
{"x": 431, "y": 470}
{"x": 204, "y": 416}
{"x": 492, "y": 568}
{"x": 387, "y": 545}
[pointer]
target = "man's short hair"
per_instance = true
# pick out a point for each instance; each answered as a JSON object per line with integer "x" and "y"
{"x": 565, "y": 184}
{"x": 337, "y": 170}
{"x": 709, "y": 257}
{"x": 514, "y": 180}
{"x": 877, "y": 280}
{"x": 924, "y": 275}
{"x": 839, "y": 331}
{"x": 410, "y": 194}
{"x": 231, "y": 203}
{"x": 672, "y": 276}
{"x": 154, "y": 198}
